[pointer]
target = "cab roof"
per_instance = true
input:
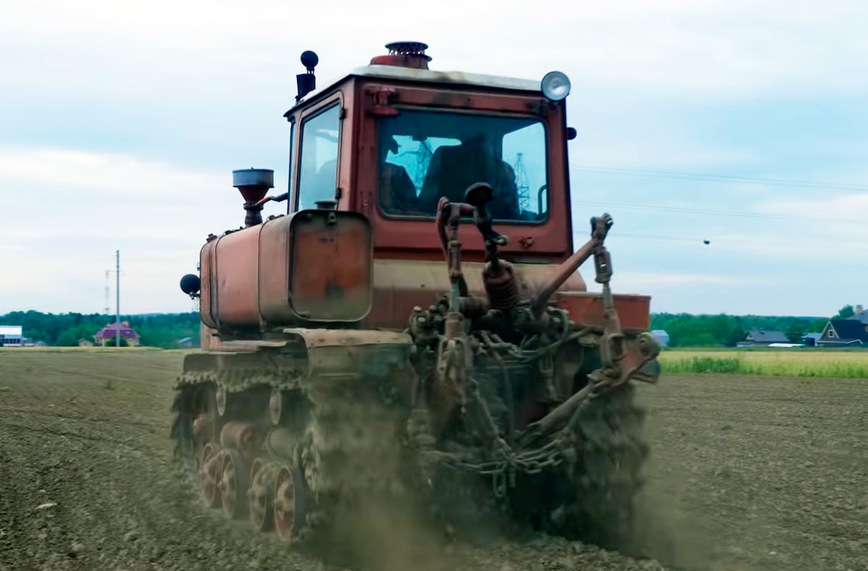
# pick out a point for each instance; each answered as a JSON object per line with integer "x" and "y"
{"x": 445, "y": 78}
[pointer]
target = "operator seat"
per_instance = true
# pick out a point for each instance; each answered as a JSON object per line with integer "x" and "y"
{"x": 453, "y": 168}
{"x": 397, "y": 192}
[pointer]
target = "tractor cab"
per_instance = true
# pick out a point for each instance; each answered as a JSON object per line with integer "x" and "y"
{"x": 391, "y": 139}
{"x": 380, "y": 160}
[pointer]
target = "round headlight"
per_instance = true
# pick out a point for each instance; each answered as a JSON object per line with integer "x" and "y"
{"x": 555, "y": 85}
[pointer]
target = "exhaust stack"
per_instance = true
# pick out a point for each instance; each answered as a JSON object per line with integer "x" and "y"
{"x": 253, "y": 184}
{"x": 404, "y": 54}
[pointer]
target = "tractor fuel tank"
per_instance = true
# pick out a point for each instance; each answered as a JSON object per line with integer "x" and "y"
{"x": 311, "y": 266}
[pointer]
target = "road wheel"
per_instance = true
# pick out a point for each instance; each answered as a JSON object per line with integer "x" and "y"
{"x": 234, "y": 480}
{"x": 260, "y": 496}
{"x": 289, "y": 504}
{"x": 209, "y": 474}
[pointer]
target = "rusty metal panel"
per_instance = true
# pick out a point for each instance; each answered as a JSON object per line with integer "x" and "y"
{"x": 314, "y": 265}
{"x": 274, "y": 302}
{"x": 400, "y": 285}
{"x": 586, "y": 309}
{"x": 331, "y": 271}
{"x": 347, "y": 337}
{"x": 235, "y": 269}
{"x": 206, "y": 297}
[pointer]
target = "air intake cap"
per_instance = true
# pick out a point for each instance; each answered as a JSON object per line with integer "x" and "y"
{"x": 253, "y": 185}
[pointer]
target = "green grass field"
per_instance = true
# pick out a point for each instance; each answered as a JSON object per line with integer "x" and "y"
{"x": 842, "y": 364}
{"x": 852, "y": 364}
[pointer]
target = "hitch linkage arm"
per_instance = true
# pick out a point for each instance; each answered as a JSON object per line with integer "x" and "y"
{"x": 593, "y": 247}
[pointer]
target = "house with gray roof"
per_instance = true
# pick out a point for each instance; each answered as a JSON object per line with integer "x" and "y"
{"x": 661, "y": 336}
{"x": 763, "y": 337}
{"x": 860, "y": 315}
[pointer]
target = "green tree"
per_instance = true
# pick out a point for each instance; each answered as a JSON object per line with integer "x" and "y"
{"x": 795, "y": 332}
{"x": 845, "y": 312}
{"x": 71, "y": 335}
{"x": 155, "y": 330}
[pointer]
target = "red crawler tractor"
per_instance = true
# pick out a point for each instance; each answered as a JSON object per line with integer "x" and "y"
{"x": 343, "y": 358}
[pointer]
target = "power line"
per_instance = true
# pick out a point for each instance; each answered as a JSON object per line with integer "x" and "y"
{"x": 709, "y": 177}
{"x": 713, "y": 240}
{"x": 716, "y": 212}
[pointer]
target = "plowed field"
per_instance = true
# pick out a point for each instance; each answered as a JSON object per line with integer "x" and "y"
{"x": 746, "y": 473}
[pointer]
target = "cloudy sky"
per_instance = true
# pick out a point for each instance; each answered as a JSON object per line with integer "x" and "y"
{"x": 738, "y": 122}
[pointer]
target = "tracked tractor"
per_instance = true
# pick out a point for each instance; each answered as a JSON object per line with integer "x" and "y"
{"x": 414, "y": 321}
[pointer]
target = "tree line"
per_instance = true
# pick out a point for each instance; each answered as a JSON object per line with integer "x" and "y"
{"x": 686, "y": 330}
{"x": 167, "y": 329}
{"x": 66, "y": 329}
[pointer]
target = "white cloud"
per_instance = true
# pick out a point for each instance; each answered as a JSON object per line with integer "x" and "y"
{"x": 651, "y": 281}
{"x": 216, "y": 71}
{"x": 717, "y": 47}
{"x": 86, "y": 206}
{"x": 71, "y": 170}
{"x": 833, "y": 207}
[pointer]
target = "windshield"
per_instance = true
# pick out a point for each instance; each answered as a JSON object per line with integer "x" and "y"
{"x": 425, "y": 155}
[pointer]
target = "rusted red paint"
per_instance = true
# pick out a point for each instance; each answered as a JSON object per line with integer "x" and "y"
{"x": 310, "y": 266}
{"x": 586, "y": 309}
{"x": 330, "y": 270}
{"x": 407, "y": 238}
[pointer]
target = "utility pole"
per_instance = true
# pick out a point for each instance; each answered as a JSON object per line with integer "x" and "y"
{"x": 118, "y": 299}
{"x": 106, "y": 306}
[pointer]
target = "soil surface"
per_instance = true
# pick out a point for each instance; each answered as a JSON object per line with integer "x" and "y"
{"x": 745, "y": 473}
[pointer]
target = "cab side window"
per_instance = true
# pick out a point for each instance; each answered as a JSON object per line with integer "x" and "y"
{"x": 317, "y": 177}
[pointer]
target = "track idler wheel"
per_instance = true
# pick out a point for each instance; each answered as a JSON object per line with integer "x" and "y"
{"x": 275, "y": 406}
{"x": 260, "y": 496}
{"x": 234, "y": 480}
{"x": 220, "y": 399}
{"x": 289, "y": 503}
{"x": 210, "y": 469}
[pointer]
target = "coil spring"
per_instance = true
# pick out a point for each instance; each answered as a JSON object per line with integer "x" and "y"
{"x": 502, "y": 290}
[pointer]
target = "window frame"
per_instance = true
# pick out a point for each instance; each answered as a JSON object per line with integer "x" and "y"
{"x": 491, "y": 114}
{"x": 290, "y": 165}
{"x": 308, "y": 115}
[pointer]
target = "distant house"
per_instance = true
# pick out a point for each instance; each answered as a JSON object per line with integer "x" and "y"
{"x": 859, "y": 315}
{"x": 849, "y": 332}
{"x": 763, "y": 337}
{"x": 661, "y": 336}
{"x": 11, "y": 335}
{"x": 108, "y": 334}
{"x": 811, "y": 339}
{"x": 844, "y": 333}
